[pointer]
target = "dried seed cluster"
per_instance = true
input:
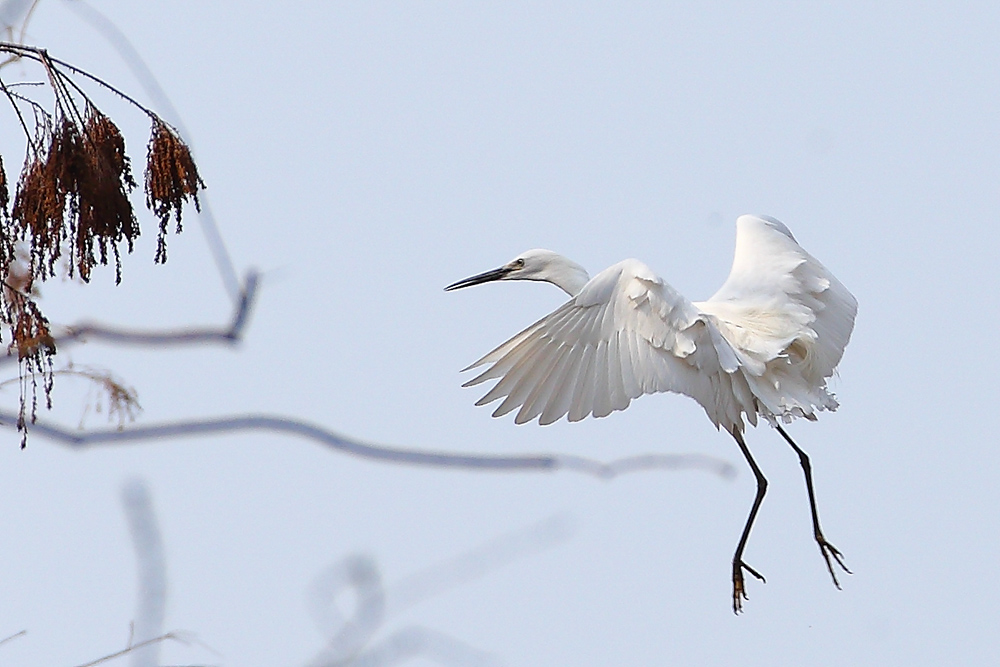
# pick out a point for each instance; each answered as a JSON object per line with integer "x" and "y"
{"x": 32, "y": 339}
{"x": 4, "y": 191}
{"x": 73, "y": 198}
{"x": 171, "y": 180}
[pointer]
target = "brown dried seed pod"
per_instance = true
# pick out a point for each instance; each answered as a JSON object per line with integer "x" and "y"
{"x": 109, "y": 144}
{"x": 7, "y": 231}
{"x": 38, "y": 214}
{"x": 171, "y": 180}
{"x": 32, "y": 338}
{"x": 4, "y": 191}
{"x": 105, "y": 215}
{"x": 77, "y": 192}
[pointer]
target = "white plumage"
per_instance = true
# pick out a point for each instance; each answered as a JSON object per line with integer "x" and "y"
{"x": 764, "y": 345}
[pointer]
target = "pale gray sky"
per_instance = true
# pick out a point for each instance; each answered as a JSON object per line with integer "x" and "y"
{"x": 364, "y": 155}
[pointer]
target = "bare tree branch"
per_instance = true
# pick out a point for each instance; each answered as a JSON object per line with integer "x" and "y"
{"x": 229, "y": 335}
{"x": 487, "y": 462}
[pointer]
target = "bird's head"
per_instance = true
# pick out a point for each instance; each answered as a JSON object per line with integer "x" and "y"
{"x": 536, "y": 264}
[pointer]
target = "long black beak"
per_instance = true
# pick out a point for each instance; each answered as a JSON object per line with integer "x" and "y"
{"x": 489, "y": 276}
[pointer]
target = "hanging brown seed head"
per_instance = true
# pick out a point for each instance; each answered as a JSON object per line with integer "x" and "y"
{"x": 77, "y": 192}
{"x": 109, "y": 144}
{"x": 105, "y": 215}
{"x": 4, "y": 192}
{"x": 171, "y": 180}
{"x": 7, "y": 232}
{"x": 32, "y": 338}
{"x": 37, "y": 215}
{"x": 32, "y": 335}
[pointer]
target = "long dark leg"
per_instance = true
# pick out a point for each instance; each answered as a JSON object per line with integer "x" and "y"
{"x": 825, "y": 547}
{"x": 739, "y": 590}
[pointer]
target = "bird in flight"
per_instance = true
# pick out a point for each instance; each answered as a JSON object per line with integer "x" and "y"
{"x": 764, "y": 345}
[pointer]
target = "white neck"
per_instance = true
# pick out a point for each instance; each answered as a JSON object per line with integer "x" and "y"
{"x": 568, "y": 276}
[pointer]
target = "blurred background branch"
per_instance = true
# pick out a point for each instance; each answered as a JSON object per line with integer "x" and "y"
{"x": 152, "y": 571}
{"x": 83, "y": 439}
{"x": 353, "y": 641}
{"x": 146, "y": 634}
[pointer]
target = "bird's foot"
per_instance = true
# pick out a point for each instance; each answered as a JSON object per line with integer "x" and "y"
{"x": 828, "y": 551}
{"x": 739, "y": 590}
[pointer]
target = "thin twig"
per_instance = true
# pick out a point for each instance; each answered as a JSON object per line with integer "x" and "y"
{"x": 41, "y": 55}
{"x": 58, "y": 82}
{"x": 126, "y": 651}
{"x": 13, "y": 636}
{"x": 65, "y": 83}
{"x": 38, "y": 108}
{"x": 17, "y": 110}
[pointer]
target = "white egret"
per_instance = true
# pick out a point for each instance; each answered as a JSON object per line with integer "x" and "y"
{"x": 763, "y": 345}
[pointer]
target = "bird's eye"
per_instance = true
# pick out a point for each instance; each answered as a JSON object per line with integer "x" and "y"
{"x": 518, "y": 263}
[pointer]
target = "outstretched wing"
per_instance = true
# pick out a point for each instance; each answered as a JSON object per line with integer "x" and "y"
{"x": 626, "y": 334}
{"x": 786, "y": 315}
